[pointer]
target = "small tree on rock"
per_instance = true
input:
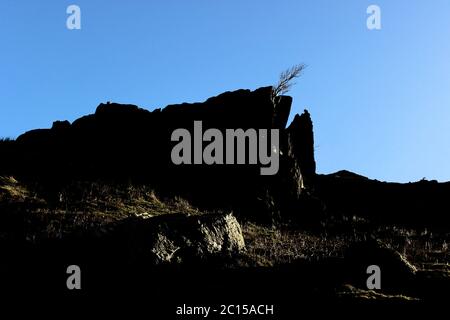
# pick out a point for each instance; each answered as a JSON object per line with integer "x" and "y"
{"x": 286, "y": 82}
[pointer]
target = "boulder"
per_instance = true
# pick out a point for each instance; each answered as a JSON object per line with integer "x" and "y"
{"x": 177, "y": 238}
{"x": 397, "y": 274}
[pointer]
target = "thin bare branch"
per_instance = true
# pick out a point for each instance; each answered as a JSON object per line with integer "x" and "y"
{"x": 285, "y": 83}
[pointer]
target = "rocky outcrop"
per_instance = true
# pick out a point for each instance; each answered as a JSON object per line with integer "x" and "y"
{"x": 177, "y": 238}
{"x": 301, "y": 136}
{"x": 397, "y": 274}
{"x": 416, "y": 204}
{"x": 122, "y": 142}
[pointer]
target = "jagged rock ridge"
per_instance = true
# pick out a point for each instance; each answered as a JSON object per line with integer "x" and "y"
{"x": 123, "y": 142}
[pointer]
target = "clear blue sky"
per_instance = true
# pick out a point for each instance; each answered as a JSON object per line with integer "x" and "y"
{"x": 380, "y": 100}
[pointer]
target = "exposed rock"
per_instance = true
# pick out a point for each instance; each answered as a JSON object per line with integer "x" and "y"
{"x": 417, "y": 204}
{"x": 122, "y": 142}
{"x": 163, "y": 249}
{"x": 291, "y": 172}
{"x": 221, "y": 234}
{"x": 282, "y": 111}
{"x": 397, "y": 274}
{"x": 301, "y": 135}
{"x": 61, "y": 125}
{"x": 177, "y": 238}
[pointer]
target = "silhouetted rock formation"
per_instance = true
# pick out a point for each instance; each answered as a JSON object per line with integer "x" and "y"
{"x": 86, "y": 194}
{"x": 124, "y": 142}
{"x": 301, "y": 136}
{"x": 121, "y": 142}
{"x": 397, "y": 274}
{"x": 418, "y": 204}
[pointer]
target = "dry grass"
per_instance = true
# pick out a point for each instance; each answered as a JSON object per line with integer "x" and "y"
{"x": 11, "y": 189}
{"x": 83, "y": 206}
{"x": 423, "y": 248}
{"x": 348, "y": 291}
{"x": 97, "y": 206}
{"x": 267, "y": 246}
{"x": 119, "y": 201}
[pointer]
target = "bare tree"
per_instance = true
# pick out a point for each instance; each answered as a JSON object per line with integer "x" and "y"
{"x": 285, "y": 83}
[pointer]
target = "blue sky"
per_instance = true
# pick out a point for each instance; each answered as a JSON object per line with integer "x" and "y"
{"x": 380, "y": 99}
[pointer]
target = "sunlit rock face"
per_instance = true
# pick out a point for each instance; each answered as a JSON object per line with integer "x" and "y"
{"x": 177, "y": 238}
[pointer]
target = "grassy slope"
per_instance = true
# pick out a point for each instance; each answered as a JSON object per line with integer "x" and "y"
{"x": 88, "y": 206}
